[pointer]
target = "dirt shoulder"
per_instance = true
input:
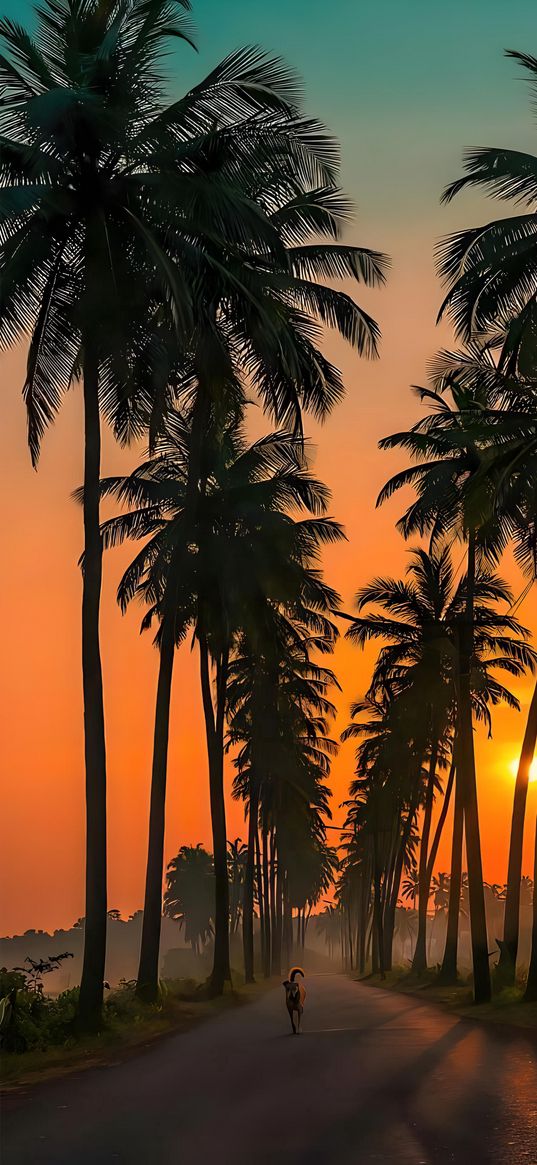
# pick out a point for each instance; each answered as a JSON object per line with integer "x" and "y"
{"x": 120, "y": 1041}
{"x": 506, "y": 1009}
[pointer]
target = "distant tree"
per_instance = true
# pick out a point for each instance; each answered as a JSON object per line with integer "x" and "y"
{"x": 189, "y": 895}
{"x": 236, "y": 864}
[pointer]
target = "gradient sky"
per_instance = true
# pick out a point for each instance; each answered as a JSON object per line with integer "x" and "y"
{"x": 405, "y": 86}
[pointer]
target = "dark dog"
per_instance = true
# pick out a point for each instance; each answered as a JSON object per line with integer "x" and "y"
{"x": 295, "y": 995}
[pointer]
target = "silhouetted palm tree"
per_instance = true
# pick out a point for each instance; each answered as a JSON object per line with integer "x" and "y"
{"x": 278, "y": 710}
{"x": 98, "y": 169}
{"x": 215, "y": 570}
{"x": 189, "y": 894}
{"x": 418, "y": 620}
{"x": 447, "y": 448}
{"x": 507, "y": 430}
{"x": 490, "y": 269}
{"x": 530, "y": 995}
{"x": 236, "y": 862}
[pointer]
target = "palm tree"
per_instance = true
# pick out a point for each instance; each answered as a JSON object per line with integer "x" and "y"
{"x": 328, "y": 925}
{"x": 508, "y": 442}
{"x": 96, "y": 168}
{"x": 530, "y": 995}
{"x": 490, "y": 269}
{"x": 419, "y": 651}
{"x": 444, "y": 467}
{"x": 211, "y": 570}
{"x": 189, "y": 895}
{"x": 278, "y": 710}
{"x": 417, "y": 620}
{"x": 381, "y": 813}
{"x": 79, "y": 226}
{"x": 237, "y": 852}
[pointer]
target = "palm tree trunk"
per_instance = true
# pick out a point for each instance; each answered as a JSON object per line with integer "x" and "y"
{"x": 93, "y": 967}
{"x": 377, "y": 909}
{"x": 278, "y": 937}
{"x": 349, "y": 931}
{"x": 272, "y": 895}
{"x": 390, "y": 910}
{"x": 214, "y": 724}
{"x": 509, "y": 948}
{"x": 530, "y": 995}
{"x": 441, "y": 821}
{"x": 287, "y": 928}
{"x": 248, "y": 907}
{"x": 266, "y": 905}
{"x": 419, "y": 962}
{"x": 391, "y": 906}
{"x": 259, "y": 878}
{"x": 148, "y": 976}
{"x": 448, "y": 970}
{"x": 362, "y": 925}
{"x": 466, "y": 761}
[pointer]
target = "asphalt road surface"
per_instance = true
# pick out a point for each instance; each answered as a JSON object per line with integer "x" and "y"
{"x": 374, "y": 1077}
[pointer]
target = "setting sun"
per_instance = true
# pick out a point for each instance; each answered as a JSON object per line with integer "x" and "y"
{"x": 513, "y": 767}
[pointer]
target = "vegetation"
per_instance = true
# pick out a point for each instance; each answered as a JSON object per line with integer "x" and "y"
{"x": 177, "y": 261}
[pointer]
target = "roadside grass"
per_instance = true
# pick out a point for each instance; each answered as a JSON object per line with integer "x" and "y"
{"x": 129, "y": 1027}
{"x": 506, "y": 1007}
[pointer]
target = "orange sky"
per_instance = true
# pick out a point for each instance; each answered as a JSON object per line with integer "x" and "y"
{"x": 403, "y": 113}
{"x": 42, "y": 818}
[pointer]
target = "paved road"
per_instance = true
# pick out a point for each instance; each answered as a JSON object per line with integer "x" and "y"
{"x": 375, "y": 1077}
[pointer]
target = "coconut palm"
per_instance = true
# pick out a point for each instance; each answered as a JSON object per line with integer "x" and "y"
{"x": 530, "y": 995}
{"x": 328, "y": 924}
{"x": 278, "y": 712}
{"x": 454, "y": 497}
{"x": 420, "y": 652}
{"x": 417, "y": 619}
{"x": 214, "y": 570}
{"x": 237, "y": 851}
{"x": 490, "y": 269}
{"x": 189, "y": 894}
{"x": 381, "y": 813}
{"x": 508, "y": 446}
{"x": 95, "y": 169}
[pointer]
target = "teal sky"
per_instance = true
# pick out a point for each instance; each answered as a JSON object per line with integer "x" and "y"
{"x": 405, "y": 86}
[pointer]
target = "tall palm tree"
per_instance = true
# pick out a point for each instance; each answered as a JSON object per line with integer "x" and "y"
{"x": 418, "y": 621}
{"x": 92, "y": 176}
{"x": 214, "y": 570}
{"x": 530, "y": 995}
{"x": 448, "y": 447}
{"x": 490, "y": 269}
{"x": 278, "y": 712}
{"x": 79, "y": 226}
{"x": 95, "y": 168}
{"x": 237, "y": 852}
{"x": 508, "y": 442}
{"x": 385, "y": 797}
{"x": 419, "y": 649}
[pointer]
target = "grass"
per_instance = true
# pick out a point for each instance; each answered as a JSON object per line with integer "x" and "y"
{"x": 128, "y": 1029}
{"x": 506, "y": 1008}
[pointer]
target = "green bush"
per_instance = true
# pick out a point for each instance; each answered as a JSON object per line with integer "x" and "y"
{"x": 38, "y": 1022}
{"x": 10, "y": 980}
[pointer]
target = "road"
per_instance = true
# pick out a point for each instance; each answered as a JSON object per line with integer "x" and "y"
{"x": 375, "y": 1077}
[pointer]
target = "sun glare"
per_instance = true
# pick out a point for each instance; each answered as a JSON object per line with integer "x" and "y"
{"x": 533, "y": 770}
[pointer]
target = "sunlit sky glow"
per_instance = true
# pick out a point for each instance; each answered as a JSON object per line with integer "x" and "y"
{"x": 405, "y": 87}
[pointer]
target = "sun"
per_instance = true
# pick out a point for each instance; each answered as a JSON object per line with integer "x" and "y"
{"x": 533, "y": 768}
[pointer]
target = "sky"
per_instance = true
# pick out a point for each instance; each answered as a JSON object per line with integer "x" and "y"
{"x": 405, "y": 87}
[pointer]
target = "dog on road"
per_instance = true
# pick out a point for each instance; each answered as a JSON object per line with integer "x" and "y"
{"x": 295, "y": 994}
